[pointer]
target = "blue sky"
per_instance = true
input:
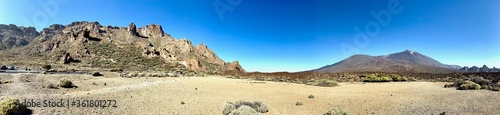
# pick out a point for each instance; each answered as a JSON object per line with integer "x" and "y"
{"x": 294, "y": 35}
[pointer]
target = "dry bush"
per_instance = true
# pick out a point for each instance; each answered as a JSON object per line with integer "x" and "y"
{"x": 229, "y": 108}
{"x": 65, "y": 83}
{"x": 412, "y": 79}
{"x": 12, "y": 107}
{"x": 244, "y": 110}
{"x": 336, "y": 111}
{"x": 325, "y": 83}
{"x": 51, "y": 86}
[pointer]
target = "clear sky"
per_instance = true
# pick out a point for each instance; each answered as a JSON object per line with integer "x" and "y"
{"x": 294, "y": 35}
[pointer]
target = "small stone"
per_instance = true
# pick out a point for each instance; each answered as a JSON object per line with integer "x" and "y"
{"x": 299, "y": 103}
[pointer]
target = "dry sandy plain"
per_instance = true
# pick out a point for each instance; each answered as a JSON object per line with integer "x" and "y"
{"x": 207, "y": 95}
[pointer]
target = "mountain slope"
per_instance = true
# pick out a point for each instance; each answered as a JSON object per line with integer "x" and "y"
{"x": 14, "y": 36}
{"x": 91, "y": 45}
{"x": 406, "y": 61}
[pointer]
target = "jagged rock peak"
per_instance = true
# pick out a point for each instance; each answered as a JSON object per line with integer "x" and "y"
{"x": 84, "y": 22}
{"x": 132, "y": 29}
{"x": 56, "y": 27}
{"x": 233, "y": 66}
{"x": 152, "y": 30}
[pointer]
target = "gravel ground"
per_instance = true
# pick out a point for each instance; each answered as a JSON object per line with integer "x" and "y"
{"x": 207, "y": 95}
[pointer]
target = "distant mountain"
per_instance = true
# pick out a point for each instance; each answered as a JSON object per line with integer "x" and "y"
{"x": 91, "y": 45}
{"x": 478, "y": 69}
{"x": 406, "y": 61}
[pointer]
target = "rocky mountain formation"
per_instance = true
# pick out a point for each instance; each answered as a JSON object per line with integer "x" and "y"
{"x": 406, "y": 61}
{"x": 479, "y": 69}
{"x": 91, "y": 45}
{"x": 14, "y": 36}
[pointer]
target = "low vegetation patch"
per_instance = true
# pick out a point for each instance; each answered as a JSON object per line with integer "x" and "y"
{"x": 324, "y": 83}
{"x": 244, "y": 108}
{"x": 47, "y": 67}
{"x": 336, "y": 111}
{"x": 65, "y": 83}
{"x": 50, "y": 86}
{"x": 383, "y": 78}
{"x": 469, "y": 85}
{"x": 474, "y": 83}
{"x": 12, "y": 107}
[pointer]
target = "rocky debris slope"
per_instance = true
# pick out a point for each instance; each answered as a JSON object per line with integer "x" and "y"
{"x": 89, "y": 44}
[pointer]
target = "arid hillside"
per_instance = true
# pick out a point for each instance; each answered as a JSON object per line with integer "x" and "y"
{"x": 89, "y": 45}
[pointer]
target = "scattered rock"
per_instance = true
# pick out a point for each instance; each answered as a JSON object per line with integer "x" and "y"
{"x": 311, "y": 96}
{"x": 182, "y": 102}
{"x": 298, "y": 103}
{"x": 96, "y": 74}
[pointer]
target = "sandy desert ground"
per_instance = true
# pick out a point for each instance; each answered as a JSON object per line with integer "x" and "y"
{"x": 207, "y": 95}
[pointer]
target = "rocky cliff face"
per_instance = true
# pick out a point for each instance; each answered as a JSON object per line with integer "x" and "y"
{"x": 90, "y": 44}
{"x": 14, "y": 36}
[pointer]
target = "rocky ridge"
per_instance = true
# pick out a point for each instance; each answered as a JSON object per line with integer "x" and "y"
{"x": 89, "y": 44}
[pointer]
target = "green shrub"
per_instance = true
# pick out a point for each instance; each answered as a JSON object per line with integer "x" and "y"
{"x": 396, "y": 77}
{"x": 12, "y": 107}
{"x": 65, "y": 83}
{"x": 336, "y": 111}
{"x": 325, "y": 83}
{"x": 469, "y": 85}
{"x": 376, "y": 78}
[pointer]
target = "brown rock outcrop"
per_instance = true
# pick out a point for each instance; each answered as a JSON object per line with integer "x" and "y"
{"x": 152, "y": 30}
{"x": 233, "y": 66}
{"x": 132, "y": 30}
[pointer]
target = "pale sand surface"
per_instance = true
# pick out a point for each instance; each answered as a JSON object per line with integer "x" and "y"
{"x": 164, "y": 96}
